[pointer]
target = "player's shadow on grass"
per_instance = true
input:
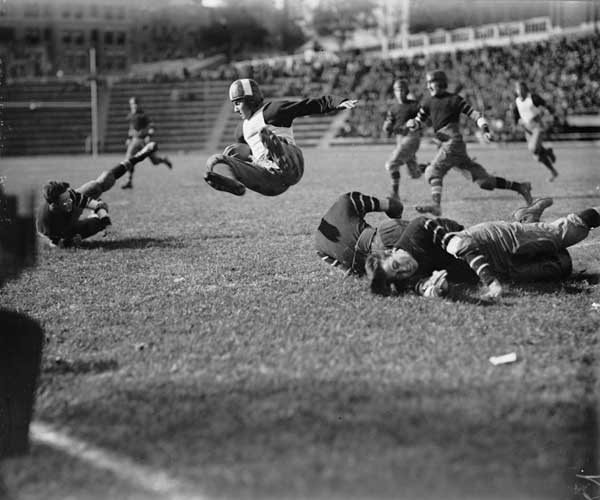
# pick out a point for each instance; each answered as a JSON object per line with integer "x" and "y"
{"x": 132, "y": 243}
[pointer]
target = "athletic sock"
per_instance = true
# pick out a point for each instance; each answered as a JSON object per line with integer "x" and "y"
{"x": 591, "y": 217}
{"x": 502, "y": 183}
{"x": 395, "y": 181}
{"x": 436, "y": 190}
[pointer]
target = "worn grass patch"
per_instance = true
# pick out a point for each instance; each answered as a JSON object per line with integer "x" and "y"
{"x": 202, "y": 336}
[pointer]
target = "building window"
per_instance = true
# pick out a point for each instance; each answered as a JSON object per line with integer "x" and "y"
{"x": 94, "y": 11}
{"x": 120, "y": 37}
{"x": 65, "y": 37}
{"x": 108, "y": 37}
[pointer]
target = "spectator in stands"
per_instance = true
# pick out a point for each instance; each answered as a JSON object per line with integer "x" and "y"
{"x": 61, "y": 219}
{"x": 139, "y": 135}
{"x": 528, "y": 111}
{"x": 265, "y": 158}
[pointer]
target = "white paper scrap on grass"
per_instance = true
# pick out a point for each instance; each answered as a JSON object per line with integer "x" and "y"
{"x": 511, "y": 357}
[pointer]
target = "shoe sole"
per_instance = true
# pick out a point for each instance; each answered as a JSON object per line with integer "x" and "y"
{"x": 273, "y": 145}
{"x": 217, "y": 182}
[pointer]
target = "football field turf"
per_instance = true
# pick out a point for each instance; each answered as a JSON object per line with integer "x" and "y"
{"x": 201, "y": 341}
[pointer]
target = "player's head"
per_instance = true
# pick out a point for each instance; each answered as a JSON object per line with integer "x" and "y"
{"x": 134, "y": 103}
{"x": 246, "y": 96}
{"x": 521, "y": 89}
{"x": 401, "y": 89}
{"x": 437, "y": 81}
{"x": 57, "y": 196}
{"x": 392, "y": 266}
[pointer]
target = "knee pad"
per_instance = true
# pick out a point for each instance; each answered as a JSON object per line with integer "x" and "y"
{"x": 239, "y": 150}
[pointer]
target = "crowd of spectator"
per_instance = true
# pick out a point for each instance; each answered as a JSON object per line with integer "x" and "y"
{"x": 564, "y": 71}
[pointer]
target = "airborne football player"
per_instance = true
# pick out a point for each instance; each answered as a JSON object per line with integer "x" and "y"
{"x": 265, "y": 158}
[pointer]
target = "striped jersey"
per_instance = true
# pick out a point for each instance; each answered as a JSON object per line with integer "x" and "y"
{"x": 426, "y": 240}
{"x": 278, "y": 116}
{"x": 444, "y": 110}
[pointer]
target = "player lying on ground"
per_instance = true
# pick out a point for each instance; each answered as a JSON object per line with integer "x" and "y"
{"x": 61, "y": 219}
{"x": 528, "y": 111}
{"x": 516, "y": 251}
{"x": 407, "y": 141}
{"x": 139, "y": 134}
{"x": 265, "y": 158}
{"x": 444, "y": 109}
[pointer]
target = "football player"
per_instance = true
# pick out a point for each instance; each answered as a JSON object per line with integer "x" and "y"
{"x": 140, "y": 133}
{"x": 444, "y": 109}
{"x": 528, "y": 111}
{"x": 520, "y": 251}
{"x": 61, "y": 219}
{"x": 407, "y": 141}
{"x": 265, "y": 158}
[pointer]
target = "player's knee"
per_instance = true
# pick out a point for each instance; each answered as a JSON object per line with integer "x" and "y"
{"x": 460, "y": 244}
{"x": 214, "y": 159}
{"x": 430, "y": 174}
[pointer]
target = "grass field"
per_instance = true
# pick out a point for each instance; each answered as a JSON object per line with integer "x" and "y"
{"x": 203, "y": 342}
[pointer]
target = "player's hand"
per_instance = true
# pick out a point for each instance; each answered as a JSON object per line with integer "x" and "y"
{"x": 273, "y": 168}
{"x": 436, "y": 285}
{"x": 348, "y": 104}
{"x": 411, "y": 124}
{"x": 101, "y": 205}
{"x": 493, "y": 291}
{"x": 488, "y": 136}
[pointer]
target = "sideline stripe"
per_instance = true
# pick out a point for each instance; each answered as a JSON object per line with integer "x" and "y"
{"x": 152, "y": 480}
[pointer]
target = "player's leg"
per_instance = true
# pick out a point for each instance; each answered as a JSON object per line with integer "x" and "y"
{"x": 434, "y": 175}
{"x": 411, "y": 144}
{"x": 107, "y": 179}
{"x": 546, "y": 238}
{"x": 392, "y": 165}
{"x": 543, "y": 155}
{"x": 230, "y": 174}
{"x": 544, "y": 267}
{"x": 136, "y": 144}
{"x": 489, "y": 182}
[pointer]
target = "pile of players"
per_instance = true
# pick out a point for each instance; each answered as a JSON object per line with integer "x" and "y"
{"x": 421, "y": 255}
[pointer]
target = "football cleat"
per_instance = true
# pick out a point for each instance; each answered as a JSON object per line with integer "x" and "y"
{"x": 168, "y": 163}
{"x": 526, "y": 192}
{"x": 272, "y": 143}
{"x": 223, "y": 183}
{"x": 127, "y": 185}
{"x": 533, "y": 212}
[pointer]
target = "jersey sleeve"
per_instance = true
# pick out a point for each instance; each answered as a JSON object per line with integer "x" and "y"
{"x": 282, "y": 113}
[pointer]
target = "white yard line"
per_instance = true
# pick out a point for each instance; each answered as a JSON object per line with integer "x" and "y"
{"x": 151, "y": 480}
